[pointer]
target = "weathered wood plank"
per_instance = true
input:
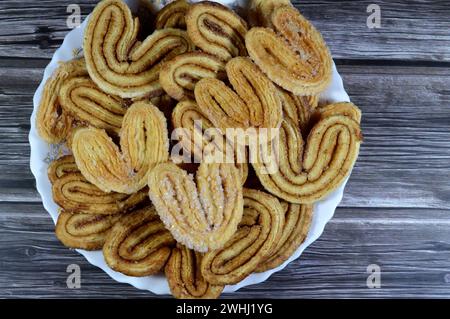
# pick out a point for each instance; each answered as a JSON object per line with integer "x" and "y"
{"x": 35, "y": 29}
{"x": 405, "y": 123}
{"x": 408, "y": 28}
{"x": 414, "y": 263}
{"x": 413, "y": 30}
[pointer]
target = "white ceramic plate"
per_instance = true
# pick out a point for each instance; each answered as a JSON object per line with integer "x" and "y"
{"x": 42, "y": 154}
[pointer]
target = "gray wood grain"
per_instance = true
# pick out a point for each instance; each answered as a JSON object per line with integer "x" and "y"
{"x": 414, "y": 262}
{"x": 395, "y": 211}
{"x": 409, "y": 29}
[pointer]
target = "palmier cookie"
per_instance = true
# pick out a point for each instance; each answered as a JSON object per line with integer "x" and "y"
{"x": 138, "y": 245}
{"x": 144, "y": 142}
{"x": 120, "y": 64}
{"x": 308, "y": 172}
{"x": 185, "y": 278}
{"x": 293, "y": 55}
{"x": 201, "y": 215}
{"x": 258, "y": 235}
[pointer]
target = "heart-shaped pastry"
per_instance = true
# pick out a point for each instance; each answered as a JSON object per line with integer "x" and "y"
{"x": 84, "y": 231}
{"x": 216, "y": 30}
{"x": 120, "y": 64}
{"x": 52, "y": 122}
{"x": 81, "y": 98}
{"x": 254, "y": 103}
{"x": 201, "y": 215}
{"x": 74, "y": 194}
{"x": 307, "y": 173}
{"x": 185, "y": 278}
{"x": 294, "y": 56}
{"x": 144, "y": 143}
{"x": 138, "y": 245}
{"x": 255, "y": 240}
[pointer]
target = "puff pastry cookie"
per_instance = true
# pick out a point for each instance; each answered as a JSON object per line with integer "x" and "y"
{"x": 307, "y": 172}
{"x": 120, "y": 64}
{"x": 293, "y": 55}
{"x": 144, "y": 142}
{"x": 201, "y": 215}
{"x": 216, "y": 30}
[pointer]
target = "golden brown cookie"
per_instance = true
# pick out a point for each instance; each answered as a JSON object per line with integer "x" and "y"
{"x": 75, "y": 194}
{"x": 254, "y": 102}
{"x": 217, "y": 30}
{"x": 52, "y": 122}
{"x": 120, "y": 64}
{"x": 173, "y": 15}
{"x": 185, "y": 278}
{"x": 296, "y": 226}
{"x": 307, "y": 172}
{"x": 294, "y": 56}
{"x": 84, "y": 231}
{"x": 258, "y": 234}
{"x": 199, "y": 138}
{"x": 201, "y": 215}
{"x": 72, "y": 192}
{"x": 143, "y": 144}
{"x": 85, "y": 102}
{"x": 179, "y": 76}
{"x": 138, "y": 245}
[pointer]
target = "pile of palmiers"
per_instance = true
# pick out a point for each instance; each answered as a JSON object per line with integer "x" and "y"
{"x": 121, "y": 192}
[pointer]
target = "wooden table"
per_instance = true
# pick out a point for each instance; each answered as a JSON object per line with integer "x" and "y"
{"x": 395, "y": 212}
